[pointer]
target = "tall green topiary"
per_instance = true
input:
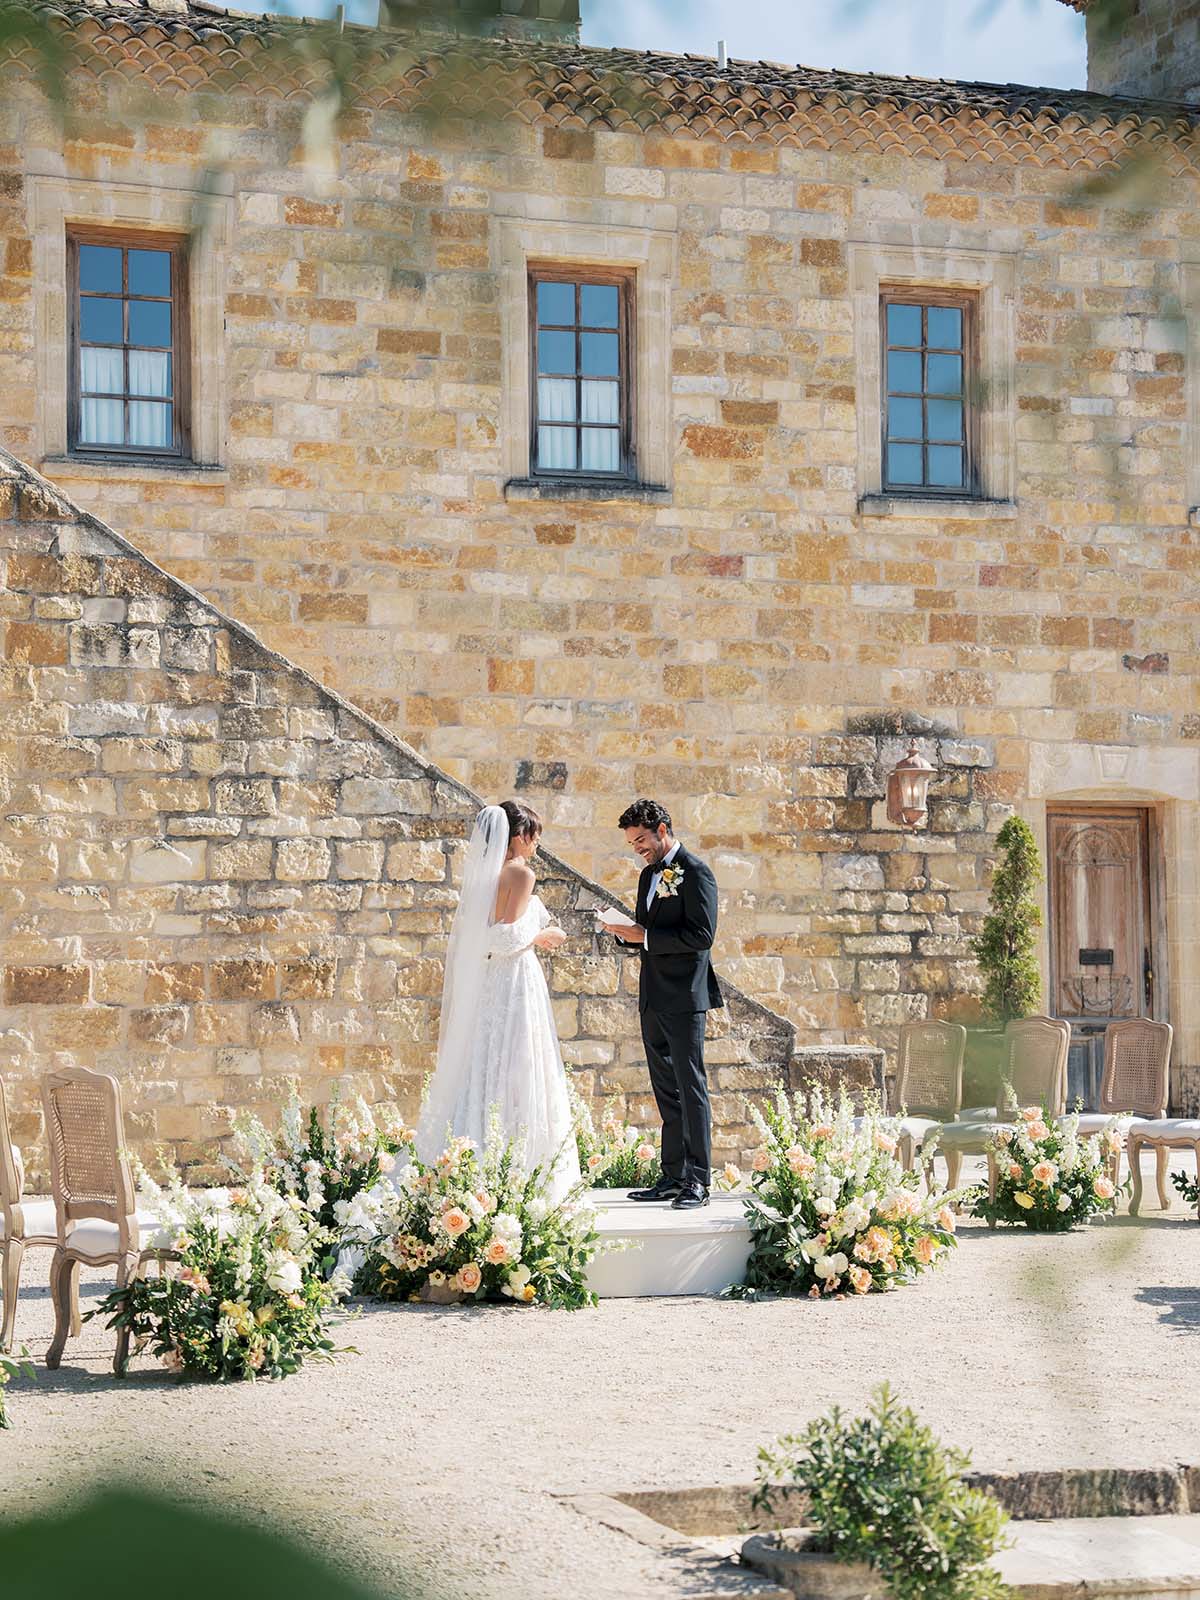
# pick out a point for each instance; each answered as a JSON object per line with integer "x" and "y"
{"x": 1006, "y": 948}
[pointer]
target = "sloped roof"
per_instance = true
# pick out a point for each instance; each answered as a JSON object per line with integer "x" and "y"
{"x": 189, "y": 44}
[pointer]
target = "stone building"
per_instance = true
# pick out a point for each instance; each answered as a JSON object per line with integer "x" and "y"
{"x": 585, "y": 423}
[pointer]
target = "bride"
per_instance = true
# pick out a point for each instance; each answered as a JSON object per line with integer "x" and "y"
{"x": 498, "y": 1048}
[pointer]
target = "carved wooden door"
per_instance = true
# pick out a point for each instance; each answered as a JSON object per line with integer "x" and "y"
{"x": 1101, "y": 956}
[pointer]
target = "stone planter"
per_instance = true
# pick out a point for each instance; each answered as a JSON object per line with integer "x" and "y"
{"x": 443, "y": 1296}
{"x": 811, "y": 1574}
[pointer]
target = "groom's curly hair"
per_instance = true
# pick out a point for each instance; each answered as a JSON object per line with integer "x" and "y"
{"x": 645, "y": 814}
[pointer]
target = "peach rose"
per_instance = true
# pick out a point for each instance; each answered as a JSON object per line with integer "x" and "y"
{"x": 644, "y": 1153}
{"x": 455, "y": 1221}
{"x": 860, "y": 1279}
{"x": 761, "y": 1161}
{"x": 925, "y": 1249}
{"x": 823, "y": 1130}
{"x": 1045, "y": 1173}
{"x": 1014, "y": 1170}
{"x": 1102, "y": 1187}
{"x": 885, "y": 1142}
{"x": 1037, "y": 1130}
{"x": 947, "y": 1220}
{"x": 1031, "y": 1113}
{"x": 497, "y": 1253}
{"x": 469, "y": 1277}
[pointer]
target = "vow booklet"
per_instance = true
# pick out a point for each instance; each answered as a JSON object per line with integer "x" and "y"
{"x": 612, "y": 918}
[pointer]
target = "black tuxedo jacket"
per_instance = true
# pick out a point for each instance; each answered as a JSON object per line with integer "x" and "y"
{"x": 677, "y": 972}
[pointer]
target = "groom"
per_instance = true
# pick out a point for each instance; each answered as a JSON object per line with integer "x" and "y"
{"x": 676, "y": 925}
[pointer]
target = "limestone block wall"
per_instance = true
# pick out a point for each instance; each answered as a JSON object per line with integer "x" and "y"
{"x": 216, "y": 876}
{"x": 1155, "y": 52}
{"x": 748, "y": 642}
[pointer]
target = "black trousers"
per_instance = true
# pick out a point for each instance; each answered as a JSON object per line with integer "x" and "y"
{"x": 674, "y": 1044}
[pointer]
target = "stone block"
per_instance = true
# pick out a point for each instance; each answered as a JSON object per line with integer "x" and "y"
{"x": 166, "y": 861}
{"x": 302, "y": 860}
{"x": 362, "y": 859}
{"x": 247, "y": 979}
{"x": 47, "y": 986}
{"x": 418, "y": 863}
{"x": 240, "y": 859}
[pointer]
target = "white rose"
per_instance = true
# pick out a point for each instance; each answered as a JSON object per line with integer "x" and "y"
{"x": 824, "y": 1268}
{"x": 1064, "y": 1202}
{"x": 811, "y": 1249}
{"x": 824, "y": 1205}
{"x": 284, "y": 1275}
{"x": 516, "y": 1280}
{"x": 837, "y": 1264}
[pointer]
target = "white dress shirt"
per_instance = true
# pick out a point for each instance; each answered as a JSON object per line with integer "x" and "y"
{"x": 652, "y": 891}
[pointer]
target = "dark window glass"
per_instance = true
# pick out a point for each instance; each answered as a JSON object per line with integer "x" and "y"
{"x": 925, "y": 401}
{"x": 580, "y": 384}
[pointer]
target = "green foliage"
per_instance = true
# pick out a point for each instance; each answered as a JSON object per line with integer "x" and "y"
{"x": 882, "y": 1490}
{"x": 1187, "y": 1188}
{"x": 87, "y": 1548}
{"x": 619, "y": 1155}
{"x": 1006, "y": 949}
{"x": 12, "y": 1367}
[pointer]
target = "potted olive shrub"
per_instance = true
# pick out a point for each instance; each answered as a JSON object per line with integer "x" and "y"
{"x": 1006, "y": 950}
{"x": 889, "y": 1516}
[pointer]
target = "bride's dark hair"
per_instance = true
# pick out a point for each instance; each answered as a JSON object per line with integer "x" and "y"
{"x": 523, "y": 820}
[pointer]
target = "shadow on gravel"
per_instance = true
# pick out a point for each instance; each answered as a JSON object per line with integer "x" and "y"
{"x": 1177, "y": 1308}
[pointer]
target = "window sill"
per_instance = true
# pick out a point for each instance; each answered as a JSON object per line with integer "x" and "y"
{"x": 582, "y": 488}
{"x": 109, "y": 469}
{"x": 932, "y": 506}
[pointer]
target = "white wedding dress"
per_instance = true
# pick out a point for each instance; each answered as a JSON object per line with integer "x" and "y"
{"x": 498, "y": 1052}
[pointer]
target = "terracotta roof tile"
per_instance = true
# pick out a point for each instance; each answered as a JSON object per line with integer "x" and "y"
{"x": 188, "y": 43}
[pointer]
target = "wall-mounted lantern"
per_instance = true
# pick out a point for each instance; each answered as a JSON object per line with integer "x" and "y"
{"x": 908, "y": 789}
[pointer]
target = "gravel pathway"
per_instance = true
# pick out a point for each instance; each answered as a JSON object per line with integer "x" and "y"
{"x": 430, "y": 1460}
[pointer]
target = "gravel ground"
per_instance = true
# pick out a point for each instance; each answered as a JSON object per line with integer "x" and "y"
{"x": 430, "y": 1460}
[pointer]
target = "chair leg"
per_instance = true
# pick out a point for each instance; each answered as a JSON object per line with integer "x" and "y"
{"x": 953, "y": 1167}
{"x": 76, "y": 1319}
{"x": 60, "y": 1294}
{"x": 13, "y": 1250}
{"x": 1161, "y": 1157}
{"x": 904, "y": 1149}
{"x": 1135, "y": 1173}
{"x": 127, "y": 1271}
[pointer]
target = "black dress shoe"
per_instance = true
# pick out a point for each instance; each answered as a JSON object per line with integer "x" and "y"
{"x": 664, "y": 1189}
{"x": 690, "y": 1198}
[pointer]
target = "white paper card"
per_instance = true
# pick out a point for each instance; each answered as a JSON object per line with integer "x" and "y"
{"x": 612, "y": 918}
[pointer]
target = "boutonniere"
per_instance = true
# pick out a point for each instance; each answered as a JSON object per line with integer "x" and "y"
{"x": 669, "y": 880}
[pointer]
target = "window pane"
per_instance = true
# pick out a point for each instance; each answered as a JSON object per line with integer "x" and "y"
{"x": 102, "y": 371}
{"x": 149, "y": 322}
{"x": 556, "y": 352}
{"x": 945, "y": 419}
{"x": 943, "y": 374}
{"x": 904, "y": 372}
{"x": 556, "y": 399}
{"x": 598, "y": 305}
{"x": 904, "y": 325}
{"x": 600, "y": 450}
{"x": 904, "y": 419}
{"x": 150, "y": 372}
{"x": 99, "y": 269}
{"x": 904, "y": 463}
{"x": 150, "y": 272}
{"x": 102, "y": 422}
{"x": 556, "y": 303}
{"x": 944, "y": 327}
{"x": 100, "y": 321}
{"x": 945, "y": 466}
{"x": 601, "y": 402}
{"x": 556, "y": 449}
{"x": 149, "y": 425}
{"x": 598, "y": 354}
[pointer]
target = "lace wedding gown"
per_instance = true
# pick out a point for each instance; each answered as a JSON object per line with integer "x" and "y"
{"x": 512, "y": 1060}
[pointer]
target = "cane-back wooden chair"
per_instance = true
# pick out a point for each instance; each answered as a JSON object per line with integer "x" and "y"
{"x": 23, "y": 1224}
{"x": 929, "y": 1074}
{"x": 97, "y": 1222}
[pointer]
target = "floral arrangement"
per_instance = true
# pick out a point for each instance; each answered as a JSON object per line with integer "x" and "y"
{"x": 248, "y": 1298}
{"x": 619, "y": 1156}
{"x": 12, "y": 1367}
{"x": 324, "y": 1163}
{"x": 881, "y": 1489}
{"x": 831, "y": 1210}
{"x": 471, "y": 1226}
{"x": 1047, "y": 1177}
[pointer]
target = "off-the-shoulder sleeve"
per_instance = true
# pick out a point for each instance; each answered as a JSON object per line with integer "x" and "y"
{"x": 510, "y": 938}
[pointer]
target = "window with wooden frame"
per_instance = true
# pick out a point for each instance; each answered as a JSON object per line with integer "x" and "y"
{"x": 581, "y": 373}
{"x": 929, "y": 425}
{"x": 128, "y": 390}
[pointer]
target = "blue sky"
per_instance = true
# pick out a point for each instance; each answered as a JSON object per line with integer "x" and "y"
{"x": 998, "y": 41}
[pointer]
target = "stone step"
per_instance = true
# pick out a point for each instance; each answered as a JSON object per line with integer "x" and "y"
{"x": 664, "y": 1252}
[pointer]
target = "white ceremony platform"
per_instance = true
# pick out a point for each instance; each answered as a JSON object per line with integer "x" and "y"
{"x": 668, "y": 1252}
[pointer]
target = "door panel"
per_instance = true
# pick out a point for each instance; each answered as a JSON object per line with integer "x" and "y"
{"x": 1100, "y": 927}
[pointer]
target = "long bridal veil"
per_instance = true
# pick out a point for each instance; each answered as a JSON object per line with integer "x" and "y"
{"x": 462, "y": 987}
